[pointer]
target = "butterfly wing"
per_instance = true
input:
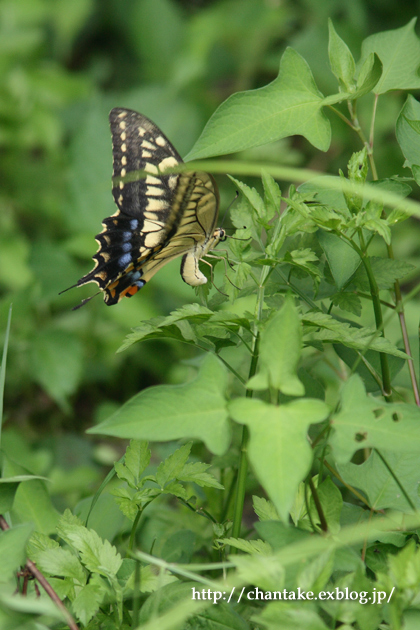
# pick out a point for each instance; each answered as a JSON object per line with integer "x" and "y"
{"x": 145, "y": 217}
{"x": 159, "y": 217}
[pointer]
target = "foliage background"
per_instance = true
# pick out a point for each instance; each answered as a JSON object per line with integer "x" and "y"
{"x": 63, "y": 66}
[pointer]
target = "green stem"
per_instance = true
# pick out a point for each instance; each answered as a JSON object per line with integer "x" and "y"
{"x": 374, "y": 290}
{"x": 136, "y": 596}
{"x": 403, "y": 324}
{"x": 318, "y": 506}
{"x": 397, "y": 481}
{"x": 133, "y": 532}
{"x": 243, "y": 460}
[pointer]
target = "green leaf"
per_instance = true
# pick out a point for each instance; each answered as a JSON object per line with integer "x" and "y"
{"x": 272, "y": 194}
{"x": 342, "y": 259}
{"x": 137, "y": 458}
{"x": 195, "y": 473}
{"x": 275, "y": 616}
{"x": 56, "y": 363}
{"x": 375, "y": 480}
{"x": 220, "y": 617}
{"x": 331, "y": 502}
{"x": 87, "y": 601}
{"x": 7, "y": 494}
{"x": 169, "y": 412}
{"x": 386, "y": 272}
{"x": 248, "y": 546}
{"x": 364, "y": 422}
{"x": 62, "y": 562}
{"x": 326, "y": 191}
{"x": 12, "y": 550}
{"x": 408, "y": 134}
{"x": 98, "y": 555}
{"x": 280, "y": 349}
{"x": 253, "y": 197}
{"x": 348, "y": 302}
{"x": 275, "y": 433}
{"x": 399, "y": 51}
{"x": 335, "y": 331}
{"x": 315, "y": 575}
{"x": 341, "y": 60}
{"x": 373, "y": 361}
{"x": 264, "y": 509}
{"x": 32, "y": 500}
{"x": 369, "y": 74}
{"x": 380, "y": 226}
{"x": 290, "y": 105}
{"x": 171, "y": 467}
{"x": 184, "y": 324}
{"x": 3, "y": 367}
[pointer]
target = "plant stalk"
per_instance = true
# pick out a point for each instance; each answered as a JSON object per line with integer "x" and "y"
{"x": 386, "y": 374}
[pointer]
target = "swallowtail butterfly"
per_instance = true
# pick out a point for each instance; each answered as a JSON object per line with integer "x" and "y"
{"x": 159, "y": 217}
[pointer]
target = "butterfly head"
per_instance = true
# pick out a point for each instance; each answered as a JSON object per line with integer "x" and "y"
{"x": 219, "y": 236}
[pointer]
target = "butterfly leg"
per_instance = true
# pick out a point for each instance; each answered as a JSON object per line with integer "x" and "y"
{"x": 226, "y": 262}
{"x": 211, "y": 273}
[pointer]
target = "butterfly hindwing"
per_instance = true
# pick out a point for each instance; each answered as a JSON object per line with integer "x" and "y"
{"x": 158, "y": 217}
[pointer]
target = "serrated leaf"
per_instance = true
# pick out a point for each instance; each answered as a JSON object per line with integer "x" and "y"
{"x": 61, "y": 562}
{"x": 160, "y": 328}
{"x": 124, "y": 474}
{"x": 98, "y": 555}
{"x": 272, "y": 195}
{"x": 350, "y": 336}
{"x": 195, "y": 472}
{"x": 380, "y": 226}
{"x": 169, "y": 412}
{"x": 171, "y": 467}
{"x": 249, "y": 546}
{"x": 128, "y": 507}
{"x": 137, "y": 458}
{"x": 264, "y": 509}
{"x": 87, "y": 601}
{"x": 348, "y": 302}
{"x": 178, "y": 490}
{"x": 39, "y": 542}
{"x": 252, "y": 196}
{"x": 290, "y": 105}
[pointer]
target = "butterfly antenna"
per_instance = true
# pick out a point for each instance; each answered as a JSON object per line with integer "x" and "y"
{"x": 73, "y": 286}
{"x": 236, "y": 238}
{"x": 228, "y": 208}
{"x": 83, "y": 302}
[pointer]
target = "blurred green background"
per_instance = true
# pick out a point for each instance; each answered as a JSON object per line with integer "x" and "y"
{"x": 63, "y": 66}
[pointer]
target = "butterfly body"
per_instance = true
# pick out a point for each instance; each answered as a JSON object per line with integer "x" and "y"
{"x": 159, "y": 216}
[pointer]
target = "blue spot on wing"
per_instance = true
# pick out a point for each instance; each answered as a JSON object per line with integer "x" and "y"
{"x": 124, "y": 261}
{"x": 134, "y": 224}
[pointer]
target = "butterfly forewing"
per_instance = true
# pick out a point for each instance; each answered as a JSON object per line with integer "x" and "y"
{"x": 159, "y": 217}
